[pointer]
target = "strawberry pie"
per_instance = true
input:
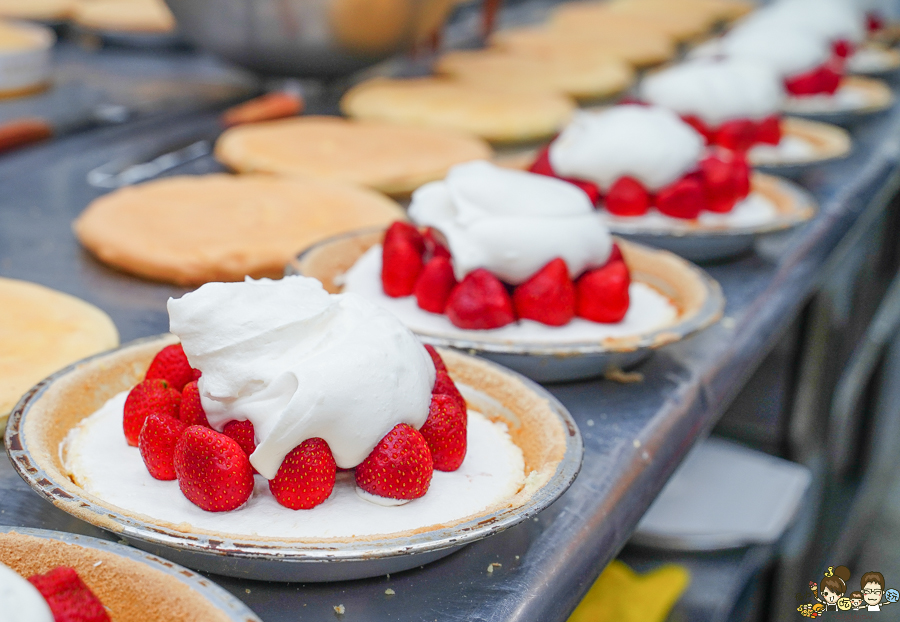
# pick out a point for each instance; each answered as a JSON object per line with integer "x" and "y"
{"x": 59, "y": 595}
{"x": 282, "y": 397}
{"x": 645, "y": 162}
{"x": 732, "y": 103}
{"x": 523, "y": 256}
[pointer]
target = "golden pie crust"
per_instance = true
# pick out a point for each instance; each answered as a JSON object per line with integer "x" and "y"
{"x": 636, "y": 19}
{"x": 41, "y": 331}
{"x": 667, "y": 273}
{"x": 827, "y": 141}
{"x": 138, "y": 16}
{"x": 533, "y": 426}
{"x": 45, "y": 10}
{"x": 129, "y": 590}
{"x": 584, "y": 78}
{"x": 192, "y": 230}
{"x": 494, "y": 115}
{"x": 387, "y": 157}
{"x": 576, "y": 43}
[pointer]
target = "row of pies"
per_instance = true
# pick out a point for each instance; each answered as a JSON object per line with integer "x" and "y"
{"x": 139, "y": 16}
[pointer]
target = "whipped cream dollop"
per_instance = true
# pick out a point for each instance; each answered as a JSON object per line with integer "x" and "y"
{"x": 511, "y": 223}
{"x": 830, "y": 20}
{"x": 19, "y": 600}
{"x": 716, "y": 91}
{"x": 650, "y": 143}
{"x": 299, "y": 363}
{"x": 786, "y": 50}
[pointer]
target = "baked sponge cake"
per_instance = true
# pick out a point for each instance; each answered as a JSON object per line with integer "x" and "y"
{"x": 391, "y": 158}
{"x": 41, "y": 331}
{"x": 191, "y": 230}
{"x": 497, "y": 116}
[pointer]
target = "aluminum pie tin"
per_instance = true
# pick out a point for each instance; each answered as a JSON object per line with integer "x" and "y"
{"x": 829, "y": 143}
{"x": 564, "y": 361}
{"x": 233, "y": 608}
{"x": 706, "y": 243}
{"x": 270, "y": 559}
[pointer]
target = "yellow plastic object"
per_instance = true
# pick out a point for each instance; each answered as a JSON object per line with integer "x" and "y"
{"x": 622, "y": 595}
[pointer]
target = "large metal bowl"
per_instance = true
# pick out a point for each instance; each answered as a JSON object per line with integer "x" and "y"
{"x": 307, "y": 38}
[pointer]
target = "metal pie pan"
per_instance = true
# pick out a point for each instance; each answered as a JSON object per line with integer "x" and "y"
{"x": 251, "y": 557}
{"x": 215, "y": 595}
{"x": 557, "y": 362}
{"x": 701, "y": 243}
{"x": 830, "y": 143}
{"x": 879, "y": 98}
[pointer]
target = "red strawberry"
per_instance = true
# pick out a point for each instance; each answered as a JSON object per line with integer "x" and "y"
{"x": 548, "y": 296}
{"x": 434, "y": 285}
{"x": 436, "y": 358}
{"x": 399, "y": 467}
{"x": 243, "y": 434}
{"x": 69, "y": 599}
{"x": 874, "y": 22}
{"x": 213, "y": 471}
{"x": 615, "y": 254}
{"x": 843, "y": 48}
{"x": 172, "y": 365}
{"x": 719, "y": 181}
{"x": 822, "y": 79}
{"x": 698, "y": 124}
{"x": 741, "y": 173}
{"x": 146, "y": 398}
{"x": 829, "y": 80}
{"x": 434, "y": 246}
{"x": 737, "y": 135}
{"x": 401, "y": 258}
{"x": 191, "y": 411}
{"x": 445, "y": 432}
{"x": 603, "y": 293}
{"x": 157, "y": 445}
{"x": 683, "y": 198}
{"x": 768, "y": 131}
{"x": 480, "y": 302}
{"x": 306, "y": 476}
{"x": 627, "y": 197}
{"x": 444, "y": 385}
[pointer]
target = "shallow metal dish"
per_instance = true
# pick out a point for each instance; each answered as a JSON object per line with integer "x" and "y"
{"x": 701, "y": 243}
{"x": 829, "y": 142}
{"x": 218, "y": 597}
{"x": 307, "y": 38}
{"x": 544, "y": 362}
{"x": 41, "y": 419}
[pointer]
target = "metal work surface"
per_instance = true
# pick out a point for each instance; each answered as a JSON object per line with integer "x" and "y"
{"x": 634, "y": 434}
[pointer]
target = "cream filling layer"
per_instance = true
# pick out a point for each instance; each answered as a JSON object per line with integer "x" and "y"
{"x": 788, "y": 149}
{"x": 649, "y": 311}
{"x": 100, "y": 461}
{"x": 753, "y": 211}
{"x": 846, "y": 98}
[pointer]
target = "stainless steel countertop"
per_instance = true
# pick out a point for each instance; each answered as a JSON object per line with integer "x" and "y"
{"x": 635, "y": 435}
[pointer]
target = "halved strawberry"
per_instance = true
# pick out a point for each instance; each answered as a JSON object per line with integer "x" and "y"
{"x": 150, "y": 396}
{"x": 436, "y": 358}
{"x": 698, "y": 124}
{"x": 191, "y": 411}
{"x": 603, "y": 293}
{"x": 627, "y": 197}
{"x": 874, "y": 22}
{"x": 243, "y": 434}
{"x": 445, "y": 432}
{"x": 400, "y": 466}
{"x": 737, "y": 135}
{"x": 172, "y": 365}
{"x": 768, "y": 131}
{"x": 548, "y": 296}
{"x": 69, "y": 599}
{"x": 683, "y": 198}
{"x": 401, "y": 258}
{"x": 434, "y": 245}
{"x": 719, "y": 181}
{"x": 615, "y": 254}
{"x": 480, "y": 302}
{"x": 843, "y": 48}
{"x": 444, "y": 385}
{"x": 434, "y": 285}
{"x": 157, "y": 444}
{"x": 213, "y": 471}
{"x": 741, "y": 172}
{"x": 306, "y": 476}
{"x": 822, "y": 79}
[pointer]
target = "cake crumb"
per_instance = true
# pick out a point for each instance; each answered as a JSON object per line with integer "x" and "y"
{"x": 590, "y": 423}
{"x": 493, "y": 565}
{"x": 636, "y": 443}
{"x": 729, "y": 322}
{"x": 247, "y": 590}
{"x": 390, "y": 592}
{"x": 98, "y": 563}
{"x": 339, "y": 609}
{"x": 624, "y": 377}
{"x": 517, "y": 557}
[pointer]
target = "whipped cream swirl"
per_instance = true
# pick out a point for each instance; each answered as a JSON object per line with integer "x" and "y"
{"x": 21, "y": 600}
{"x": 300, "y": 363}
{"x": 716, "y": 91}
{"x": 649, "y": 143}
{"x": 511, "y": 223}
